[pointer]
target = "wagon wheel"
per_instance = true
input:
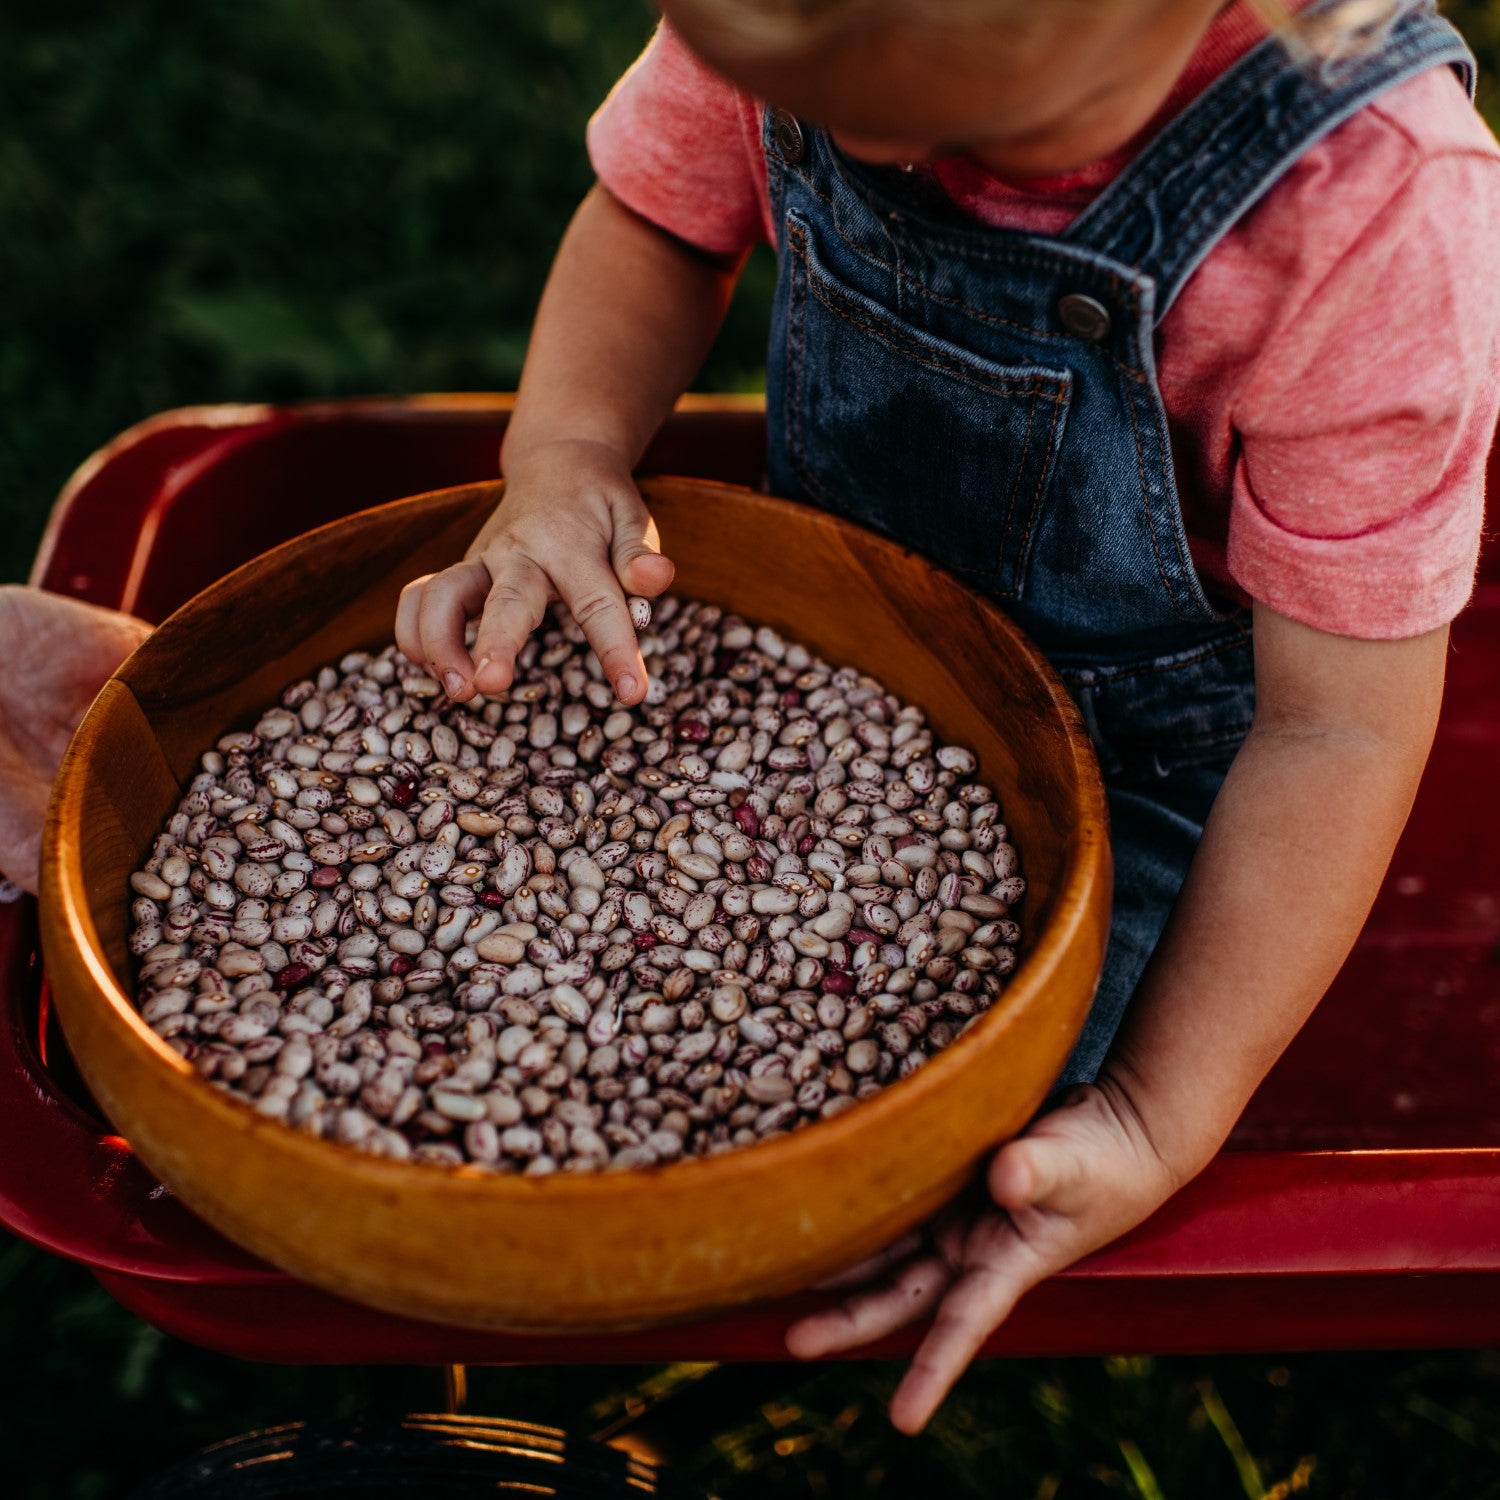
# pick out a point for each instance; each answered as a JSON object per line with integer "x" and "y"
{"x": 412, "y": 1456}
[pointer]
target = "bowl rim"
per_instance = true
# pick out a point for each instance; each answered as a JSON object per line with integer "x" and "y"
{"x": 1086, "y": 863}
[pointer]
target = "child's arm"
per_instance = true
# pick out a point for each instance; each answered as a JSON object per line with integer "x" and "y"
{"x": 624, "y": 323}
{"x": 1292, "y": 857}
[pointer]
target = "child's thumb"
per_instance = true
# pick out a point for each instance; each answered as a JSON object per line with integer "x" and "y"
{"x": 636, "y": 556}
{"x": 1033, "y": 1170}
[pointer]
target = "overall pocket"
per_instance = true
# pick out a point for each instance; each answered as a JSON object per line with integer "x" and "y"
{"x": 937, "y": 447}
{"x": 1171, "y": 711}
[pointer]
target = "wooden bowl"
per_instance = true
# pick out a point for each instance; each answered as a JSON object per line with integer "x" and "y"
{"x": 572, "y": 1252}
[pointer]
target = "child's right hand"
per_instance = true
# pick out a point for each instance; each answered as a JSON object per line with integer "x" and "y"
{"x": 572, "y": 526}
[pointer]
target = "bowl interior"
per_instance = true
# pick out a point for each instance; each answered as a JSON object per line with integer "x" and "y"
{"x": 853, "y": 597}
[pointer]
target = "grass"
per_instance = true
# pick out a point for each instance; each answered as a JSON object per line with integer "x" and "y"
{"x": 302, "y": 198}
{"x": 92, "y": 1401}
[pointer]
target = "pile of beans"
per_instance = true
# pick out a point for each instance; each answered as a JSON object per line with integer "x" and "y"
{"x": 540, "y": 931}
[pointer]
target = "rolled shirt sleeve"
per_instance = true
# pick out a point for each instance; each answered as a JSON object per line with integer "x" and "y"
{"x": 1363, "y": 437}
{"x": 679, "y": 145}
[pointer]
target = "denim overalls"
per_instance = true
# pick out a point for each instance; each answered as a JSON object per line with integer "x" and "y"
{"x": 988, "y": 398}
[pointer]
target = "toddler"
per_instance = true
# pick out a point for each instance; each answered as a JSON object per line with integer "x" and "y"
{"x": 1171, "y": 325}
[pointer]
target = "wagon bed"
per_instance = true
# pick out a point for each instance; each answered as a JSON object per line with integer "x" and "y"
{"x": 1357, "y": 1204}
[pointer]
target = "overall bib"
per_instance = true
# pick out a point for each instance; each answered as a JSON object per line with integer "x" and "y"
{"x": 988, "y": 398}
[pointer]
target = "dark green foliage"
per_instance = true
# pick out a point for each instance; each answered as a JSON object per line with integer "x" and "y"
{"x": 280, "y": 200}
{"x": 1479, "y": 20}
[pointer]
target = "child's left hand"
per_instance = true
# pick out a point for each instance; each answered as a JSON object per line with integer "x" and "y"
{"x": 1297, "y": 844}
{"x": 1079, "y": 1177}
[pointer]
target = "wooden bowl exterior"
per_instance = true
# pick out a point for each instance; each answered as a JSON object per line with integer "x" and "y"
{"x": 573, "y": 1252}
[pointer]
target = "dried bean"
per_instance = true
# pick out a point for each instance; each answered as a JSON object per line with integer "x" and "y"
{"x": 551, "y": 933}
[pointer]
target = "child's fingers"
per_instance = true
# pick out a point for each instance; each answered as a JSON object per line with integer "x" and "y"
{"x": 875, "y": 1265}
{"x": 867, "y": 1316}
{"x": 978, "y": 1304}
{"x": 408, "y": 620}
{"x": 514, "y": 608}
{"x": 432, "y": 607}
{"x": 445, "y": 604}
{"x": 592, "y": 593}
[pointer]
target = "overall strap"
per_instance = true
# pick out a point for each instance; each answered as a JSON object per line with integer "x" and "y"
{"x": 1186, "y": 189}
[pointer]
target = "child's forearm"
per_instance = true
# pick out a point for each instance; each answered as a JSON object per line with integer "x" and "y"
{"x": 626, "y": 318}
{"x": 1291, "y": 860}
{"x": 624, "y": 323}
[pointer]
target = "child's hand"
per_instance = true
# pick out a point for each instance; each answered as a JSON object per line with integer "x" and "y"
{"x": 59, "y": 653}
{"x": 1079, "y": 1177}
{"x": 573, "y": 527}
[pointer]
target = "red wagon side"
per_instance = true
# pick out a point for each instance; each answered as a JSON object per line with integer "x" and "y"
{"x": 1357, "y": 1204}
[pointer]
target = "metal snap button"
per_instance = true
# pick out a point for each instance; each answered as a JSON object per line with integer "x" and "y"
{"x": 1084, "y": 317}
{"x": 790, "y": 141}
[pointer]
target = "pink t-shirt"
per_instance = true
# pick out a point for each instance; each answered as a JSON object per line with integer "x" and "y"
{"x": 1331, "y": 372}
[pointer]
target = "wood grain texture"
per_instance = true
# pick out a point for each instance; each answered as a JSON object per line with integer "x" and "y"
{"x": 579, "y": 1252}
{"x": 124, "y": 782}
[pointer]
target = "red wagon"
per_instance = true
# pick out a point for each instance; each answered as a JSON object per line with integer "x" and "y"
{"x": 1356, "y": 1206}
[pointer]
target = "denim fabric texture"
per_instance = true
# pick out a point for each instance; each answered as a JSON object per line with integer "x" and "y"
{"x": 922, "y": 381}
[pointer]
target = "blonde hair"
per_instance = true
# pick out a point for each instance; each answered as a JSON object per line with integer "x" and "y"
{"x": 1336, "y": 32}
